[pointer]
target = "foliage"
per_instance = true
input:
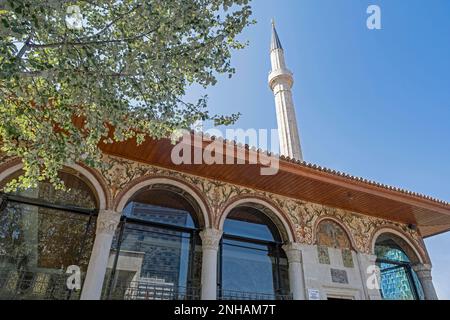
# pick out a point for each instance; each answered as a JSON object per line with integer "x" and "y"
{"x": 63, "y": 88}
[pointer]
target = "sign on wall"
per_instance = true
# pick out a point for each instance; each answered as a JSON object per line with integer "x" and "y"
{"x": 313, "y": 294}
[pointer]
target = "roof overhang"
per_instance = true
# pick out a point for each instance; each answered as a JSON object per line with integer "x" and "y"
{"x": 301, "y": 181}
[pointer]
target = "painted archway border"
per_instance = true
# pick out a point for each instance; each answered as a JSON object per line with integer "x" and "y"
{"x": 100, "y": 188}
{"x": 135, "y": 185}
{"x": 420, "y": 253}
{"x": 340, "y": 224}
{"x": 235, "y": 202}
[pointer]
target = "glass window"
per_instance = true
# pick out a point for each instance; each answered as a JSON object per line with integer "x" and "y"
{"x": 253, "y": 264}
{"x": 251, "y": 223}
{"x": 398, "y": 280}
{"x": 156, "y": 252}
{"x": 39, "y": 240}
{"x": 78, "y": 192}
{"x": 162, "y": 206}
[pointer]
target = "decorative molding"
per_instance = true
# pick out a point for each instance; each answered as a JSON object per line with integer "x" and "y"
{"x": 107, "y": 222}
{"x": 423, "y": 271}
{"x": 293, "y": 252}
{"x": 120, "y": 173}
{"x": 339, "y": 276}
{"x": 210, "y": 239}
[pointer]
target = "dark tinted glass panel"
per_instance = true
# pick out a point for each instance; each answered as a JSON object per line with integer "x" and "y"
{"x": 253, "y": 265}
{"x": 152, "y": 257}
{"x": 248, "y": 267}
{"x": 250, "y": 223}
{"x": 37, "y": 245}
{"x": 390, "y": 251}
{"x": 161, "y": 206}
{"x": 78, "y": 192}
{"x": 155, "y": 263}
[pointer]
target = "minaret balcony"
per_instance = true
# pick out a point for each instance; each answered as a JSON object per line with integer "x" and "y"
{"x": 281, "y": 76}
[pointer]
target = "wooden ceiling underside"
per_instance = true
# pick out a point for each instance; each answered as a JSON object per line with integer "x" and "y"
{"x": 303, "y": 183}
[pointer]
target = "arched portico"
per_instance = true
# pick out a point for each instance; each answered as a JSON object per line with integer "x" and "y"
{"x": 268, "y": 208}
{"x": 405, "y": 273}
{"x": 123, "y": 198}
{"x": 98, "y": 185}
{"x": 159, "y": 214}
{"x": 52, "y": 229}
{"x": 258, "y": 236}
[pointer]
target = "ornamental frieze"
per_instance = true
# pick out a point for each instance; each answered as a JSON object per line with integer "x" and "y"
{"x": 120, "y": 172}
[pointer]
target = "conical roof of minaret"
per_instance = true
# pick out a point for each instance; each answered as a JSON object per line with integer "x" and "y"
{"x": 275, "y": 43}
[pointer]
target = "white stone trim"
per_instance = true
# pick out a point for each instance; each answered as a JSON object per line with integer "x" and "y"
{"x": 399, "y": 234}
{"x": 150, "y": 181}
{"x": 89, "y": 176}
{"x": 239, "y": 202}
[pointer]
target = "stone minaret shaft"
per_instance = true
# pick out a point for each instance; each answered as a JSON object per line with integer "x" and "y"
{"x": 281, "y": 81}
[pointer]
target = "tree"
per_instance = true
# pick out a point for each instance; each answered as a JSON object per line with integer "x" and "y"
{"x": 78, "y": 73}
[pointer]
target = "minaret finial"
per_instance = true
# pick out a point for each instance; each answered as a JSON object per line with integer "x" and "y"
{"x": 276, "y": 43}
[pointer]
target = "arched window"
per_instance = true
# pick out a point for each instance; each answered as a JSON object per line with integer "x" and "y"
{"x": 252, "y": 262}
{"x": 329, "y": 234}
{"x": 156, "y": 252}
{"x": 43, "y": 231}
{"x": 398, "y": 279}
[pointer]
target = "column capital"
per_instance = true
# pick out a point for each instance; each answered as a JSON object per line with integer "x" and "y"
{"x": 423, "y": 271}
{"x": 211, "y": 238}
{"x": 107, "y": 221}
{"x": 293, "y": 252}
{"x": 370, "y": 258}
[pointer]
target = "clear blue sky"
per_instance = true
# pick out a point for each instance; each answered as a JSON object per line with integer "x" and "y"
{"x": 371, "y": 103}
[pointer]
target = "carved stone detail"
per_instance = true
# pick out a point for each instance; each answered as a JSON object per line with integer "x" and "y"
{"x": 211, "y": 238}
{"x": 339, "y": 276}
{"x": 423, "y": 271}
{"x": 119, "y": 173}
{"x": 107, "y": 222}
{"x": 293, "y": 252}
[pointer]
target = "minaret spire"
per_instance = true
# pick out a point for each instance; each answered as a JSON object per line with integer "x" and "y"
{"x": 280, "y": 82}
{"x": 276, "y": 43}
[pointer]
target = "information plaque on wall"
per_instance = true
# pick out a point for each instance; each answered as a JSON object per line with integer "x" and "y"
{"x": 313, "y": 294}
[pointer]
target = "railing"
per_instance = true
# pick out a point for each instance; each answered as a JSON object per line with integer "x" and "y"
{"x": 240, "y": 295}
{"x": 141, "y": 290}
{"x": 26, "y": 285}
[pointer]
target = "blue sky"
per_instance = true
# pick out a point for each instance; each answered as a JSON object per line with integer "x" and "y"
{"x": 373, "y": 103}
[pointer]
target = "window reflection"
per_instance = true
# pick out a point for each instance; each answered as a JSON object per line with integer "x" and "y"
{"x": 42, "y": 232}
{"x": 253, "y": 264}
{"x": 157, "y": 251}
{"x": 398, "y": 280}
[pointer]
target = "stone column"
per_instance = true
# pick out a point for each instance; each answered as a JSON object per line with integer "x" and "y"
{"x": 210, "y": 246}
{"x": 370, "y": 277}
{"x": 296, "y": 279}
{"x": 107, "y": 223}
{"x": 423, "y": 272}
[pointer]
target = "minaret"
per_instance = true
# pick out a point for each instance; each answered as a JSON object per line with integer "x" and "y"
{"x": 281, "y": 81}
